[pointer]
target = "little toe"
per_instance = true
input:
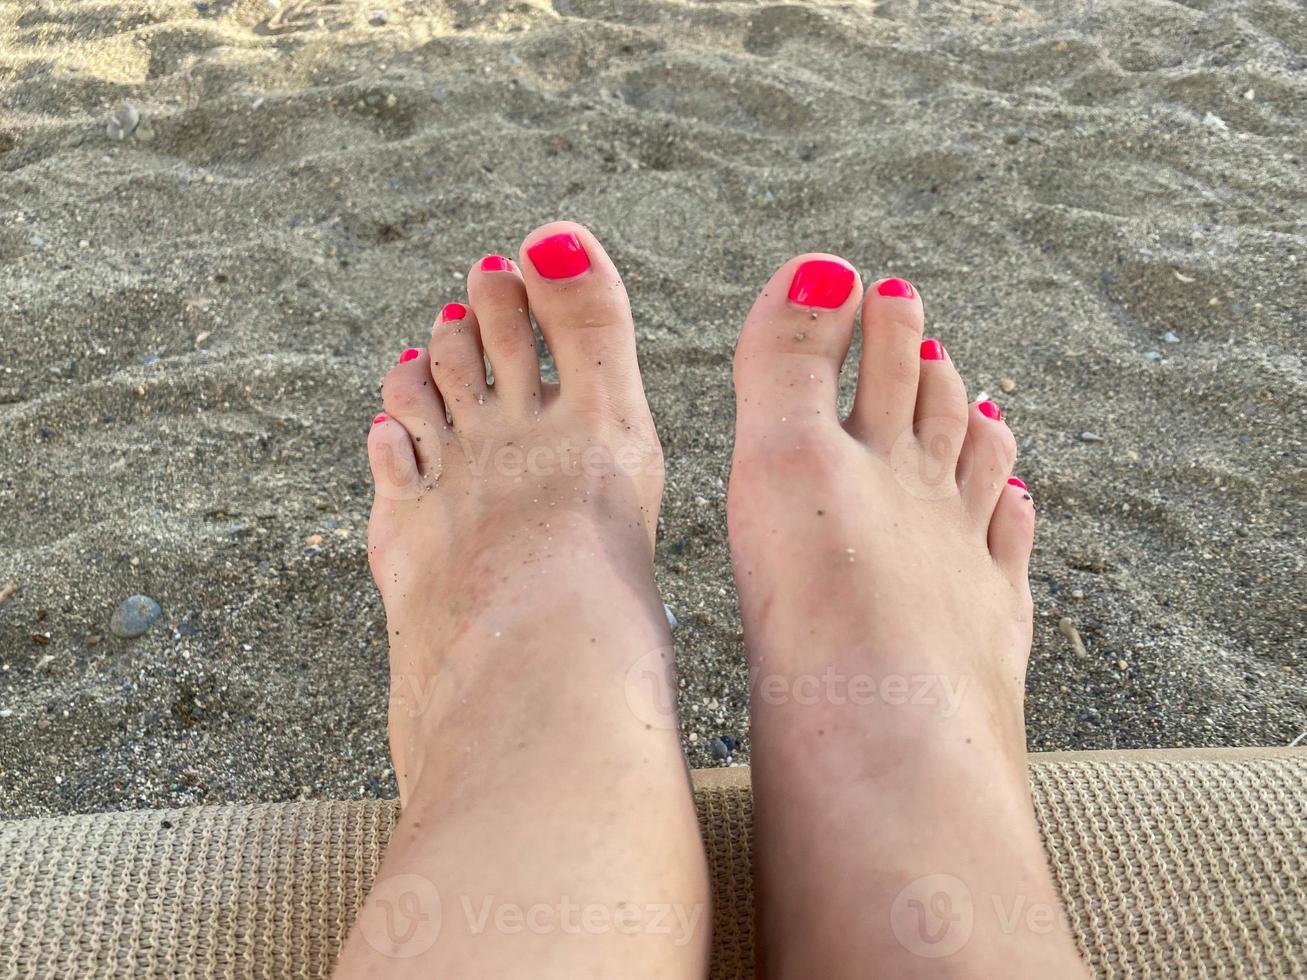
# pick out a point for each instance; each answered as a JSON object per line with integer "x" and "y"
{"x": 892, "y": 324}
{"x": 411, "y": 400}
{"x": 988, "y": 452}
{"x": 497, "y": 296}
{"x": 393, "y": 458}
{"x": 578, "y": 299}
{"x": 1012, "y": 532}
{"x": 457, "y": 363}
{"x": 793, "y": 345}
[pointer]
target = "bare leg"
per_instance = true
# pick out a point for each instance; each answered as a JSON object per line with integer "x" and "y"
{"x": 548, "y": 827}
{"x": 881, "y": 565}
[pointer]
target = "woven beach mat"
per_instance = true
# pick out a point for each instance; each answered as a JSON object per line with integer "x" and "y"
{"x": 1183, "y": 863}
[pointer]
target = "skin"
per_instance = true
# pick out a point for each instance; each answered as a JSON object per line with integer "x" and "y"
{"x": 881, "y": 563}
{"x": 547, "y": 810}
{"x": 548, "y": 828}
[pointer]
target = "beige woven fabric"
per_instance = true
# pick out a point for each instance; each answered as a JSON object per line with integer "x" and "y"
{"x": 1171, "y": 865}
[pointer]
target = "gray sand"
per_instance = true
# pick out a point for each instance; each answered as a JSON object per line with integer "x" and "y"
{"x": 194, "y": 320}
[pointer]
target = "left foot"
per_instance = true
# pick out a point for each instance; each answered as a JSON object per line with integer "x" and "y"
{"x": 546, "y": 801}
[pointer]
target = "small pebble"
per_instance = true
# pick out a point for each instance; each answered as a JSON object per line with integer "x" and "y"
{"x": 1068, "y": 628}
{"x": 1122, "y": 665}
{"x": 671, "y": 617}
{"x": 134, "y": 616}
{"x": 1091, "y": 437}
{"x": 1153, "y": 356}
{"x": 1008, "y": 385}
{"x": 38, "y": 241}
{"x": 1170, "y": 337}
{"x": 1215, "y": 123}
{"x": 123, "y": 122}
{"x": 1077, "y": 593}
{"x": 719, "y": 750}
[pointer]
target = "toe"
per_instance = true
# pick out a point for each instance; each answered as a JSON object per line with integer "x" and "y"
{"x": 457, "y": 363}
{"x": 413, "y": 403}
{"x": 988, "y": 452}
{"x": 578, "y": 299}
{"x": 940, "y": 422}
{"x": 892, "y": 321}
{"x": 1012, "y": 531}
{"x": 497, "y": 296}
{"x": 792, "y": 347}
{"x": 393, "y": 458}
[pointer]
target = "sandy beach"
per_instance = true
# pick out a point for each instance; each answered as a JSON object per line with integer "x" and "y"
{"x": 1103, "y": 204}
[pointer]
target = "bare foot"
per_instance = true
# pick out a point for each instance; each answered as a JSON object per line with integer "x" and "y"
{"x": 881, "y": 565}
{"x": 548, "y": 827}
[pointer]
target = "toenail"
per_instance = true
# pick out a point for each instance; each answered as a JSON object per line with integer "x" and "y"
{"x": 379, "y": 418}
{"x": 990, "y": 410}
{"x": 900, "y": 288}
{"x": 1020, "y": 484}
{"x": 932, "y": 350}
{"x": 559, "y": 256}
{"x": 821, "y": 282}
{"x": 408, "y": 355}
{"x": 452, "y": 311}
{"x": 496, "y": 263}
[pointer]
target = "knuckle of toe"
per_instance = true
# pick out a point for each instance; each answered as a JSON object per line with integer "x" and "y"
{"x": 405, "y": 397}
{"x": 909, "y": 326}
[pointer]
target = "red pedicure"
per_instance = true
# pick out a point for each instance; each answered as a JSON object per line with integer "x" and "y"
{"x": 452, "y": 311}
{"x": 932, "y": 350}
{"x": 990, "y": 410}
{"x": 899, "y": 288}
{"x": 559, "y": 256}
{"x": 496, "y": 263}
{"x": 821, "y": 282}
{"x": 1019, "y": 484}
{"x": 408, "y": 355}
{"x": 379, "y": 418}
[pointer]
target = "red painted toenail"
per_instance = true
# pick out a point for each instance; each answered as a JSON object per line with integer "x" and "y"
{"x": 900, "y": 288}
{"x": 821, "y": 282}
{"x": 408, "y": 355}
{"x": 379, "y": 418}
{"x": 453, "y": 311}
{"x": 990, "y": 410}
{"x": 1019, "y": 484}
{"x": 932, "y": 350}
{"x": 559, "y": 256}
{"x": 496, "y": 263}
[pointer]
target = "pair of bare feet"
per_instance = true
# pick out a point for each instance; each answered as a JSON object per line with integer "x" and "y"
{"x": 548, "y": 827}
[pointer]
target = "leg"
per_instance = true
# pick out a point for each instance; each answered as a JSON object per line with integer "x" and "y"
{"x": 881, "y": 565}
{"x": 548, "y": 827}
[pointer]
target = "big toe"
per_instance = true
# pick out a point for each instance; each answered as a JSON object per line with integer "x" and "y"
{"x": 793, "y": 345}
{"x": 580, "y": 304}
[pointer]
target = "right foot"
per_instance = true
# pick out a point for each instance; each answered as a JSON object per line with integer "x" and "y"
{"x": 881, "y": 564}
{"x": 548, "y": 828}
